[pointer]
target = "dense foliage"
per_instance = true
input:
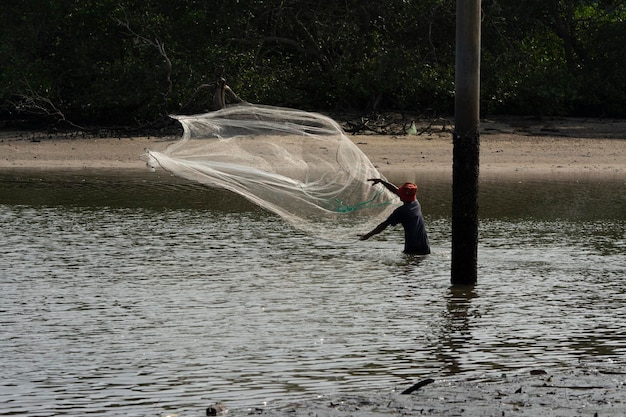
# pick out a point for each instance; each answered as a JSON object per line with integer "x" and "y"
{"x": 134, "y": 61}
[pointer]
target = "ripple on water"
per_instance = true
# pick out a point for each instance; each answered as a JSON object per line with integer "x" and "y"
{"x": 138, "y": 310}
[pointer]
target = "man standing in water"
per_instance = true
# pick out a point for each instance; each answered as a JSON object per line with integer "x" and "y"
{"x": 409, "y": 215}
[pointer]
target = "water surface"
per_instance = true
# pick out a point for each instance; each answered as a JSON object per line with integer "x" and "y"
{"x": 144, "y": 294}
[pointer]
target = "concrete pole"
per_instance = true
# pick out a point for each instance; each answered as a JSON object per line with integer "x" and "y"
{"x": 466, "y": 143}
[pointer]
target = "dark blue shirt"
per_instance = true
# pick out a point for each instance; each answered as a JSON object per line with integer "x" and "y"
{"x": 415, "y": 235}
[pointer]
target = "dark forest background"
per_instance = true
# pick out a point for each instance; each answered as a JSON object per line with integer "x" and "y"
{"x": 132, "y": 62}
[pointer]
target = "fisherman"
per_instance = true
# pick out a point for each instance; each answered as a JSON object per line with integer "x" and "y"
{"x": 409, "y": 215}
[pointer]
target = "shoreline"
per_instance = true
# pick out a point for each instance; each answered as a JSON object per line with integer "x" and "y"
{"x": 573, "y": 149}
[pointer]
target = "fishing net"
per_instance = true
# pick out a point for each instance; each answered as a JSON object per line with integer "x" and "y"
{"x": 297, "y": 164}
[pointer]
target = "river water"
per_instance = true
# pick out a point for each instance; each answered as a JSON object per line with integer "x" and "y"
{"x": 143, "y": 294}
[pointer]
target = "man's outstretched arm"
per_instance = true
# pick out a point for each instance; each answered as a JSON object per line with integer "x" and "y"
{"x": 376, "y": 230}
{"x": 387, "y": 185}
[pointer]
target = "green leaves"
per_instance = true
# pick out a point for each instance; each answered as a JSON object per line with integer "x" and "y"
{"x": 128, "y": 62}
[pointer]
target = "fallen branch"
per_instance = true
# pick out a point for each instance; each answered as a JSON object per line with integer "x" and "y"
{"x": 575, "y": 387}
{"x": 417, "y": 386}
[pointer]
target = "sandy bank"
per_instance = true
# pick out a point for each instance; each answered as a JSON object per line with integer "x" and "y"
{"x": 511, "y": 147}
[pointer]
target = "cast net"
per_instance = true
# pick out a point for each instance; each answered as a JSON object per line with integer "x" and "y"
{"x": 297, "y": 164}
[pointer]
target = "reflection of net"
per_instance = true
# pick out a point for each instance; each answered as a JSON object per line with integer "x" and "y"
{"x": 297, "y": 164}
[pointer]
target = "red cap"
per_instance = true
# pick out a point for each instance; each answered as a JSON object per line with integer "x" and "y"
{"x": 407, "y": 192}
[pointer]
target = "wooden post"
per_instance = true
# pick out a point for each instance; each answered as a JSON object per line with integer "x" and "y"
{"x": 466, "y": 143}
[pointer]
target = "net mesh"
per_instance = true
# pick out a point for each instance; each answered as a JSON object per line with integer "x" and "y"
{"x": 299, "y": 165}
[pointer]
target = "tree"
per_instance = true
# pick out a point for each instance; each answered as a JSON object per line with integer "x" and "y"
{"x": 131, "y": 62}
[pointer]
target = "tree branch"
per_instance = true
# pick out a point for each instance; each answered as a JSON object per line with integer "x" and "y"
{"x": 31, "y": 102}
{"x": 158, "y": 45}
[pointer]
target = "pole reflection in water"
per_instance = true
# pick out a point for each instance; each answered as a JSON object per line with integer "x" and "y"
{"x": 457, "y": 327}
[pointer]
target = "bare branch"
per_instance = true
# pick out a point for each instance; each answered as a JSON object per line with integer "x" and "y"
{"x": 157, "y": 44}
{"x": 31, "y": 102}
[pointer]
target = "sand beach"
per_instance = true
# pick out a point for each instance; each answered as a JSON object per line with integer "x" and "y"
{"x": 511, "y": 146}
